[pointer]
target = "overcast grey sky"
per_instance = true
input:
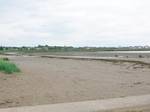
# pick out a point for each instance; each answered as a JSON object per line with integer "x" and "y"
{"x": 75, "y": 22}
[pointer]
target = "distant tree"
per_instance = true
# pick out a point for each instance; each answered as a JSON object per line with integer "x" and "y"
{"x": 40, "y": 46}
{"x": 1, "y": 48}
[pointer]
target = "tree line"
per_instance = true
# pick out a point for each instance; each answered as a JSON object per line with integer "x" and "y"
{"x": 46, "y": 48}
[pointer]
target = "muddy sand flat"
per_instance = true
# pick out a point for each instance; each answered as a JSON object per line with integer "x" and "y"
{"x": 48, "y": 81}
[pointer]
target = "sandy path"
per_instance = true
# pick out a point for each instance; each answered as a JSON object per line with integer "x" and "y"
{"x": 46, "y": 81}
{"x": 126, "y": 104}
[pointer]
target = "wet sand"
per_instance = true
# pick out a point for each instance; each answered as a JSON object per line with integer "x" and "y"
{"x": 49, "y": 81}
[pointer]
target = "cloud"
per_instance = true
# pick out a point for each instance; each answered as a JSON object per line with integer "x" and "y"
{"x": 74, "y": 22}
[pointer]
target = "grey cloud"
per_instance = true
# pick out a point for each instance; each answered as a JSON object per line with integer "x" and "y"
{"x": 75, "y": 22}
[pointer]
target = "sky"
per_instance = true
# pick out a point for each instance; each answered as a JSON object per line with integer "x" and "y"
{"x": 74, "y": 22}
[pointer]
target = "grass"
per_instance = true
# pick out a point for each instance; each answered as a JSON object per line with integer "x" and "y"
{"x": 8, "y": 67}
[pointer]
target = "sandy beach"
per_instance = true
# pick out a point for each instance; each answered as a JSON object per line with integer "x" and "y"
{"x": 50, "y": 81}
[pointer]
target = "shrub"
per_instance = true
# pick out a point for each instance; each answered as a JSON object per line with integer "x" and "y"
{"x": 6, "y": 59}
{"x": 8, "y": 67}
{"x": 116, "y": 55}
{"x": 140, "y": 56}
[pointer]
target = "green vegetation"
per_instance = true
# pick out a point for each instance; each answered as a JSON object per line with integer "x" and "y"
{"x": 8, "y": 67}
